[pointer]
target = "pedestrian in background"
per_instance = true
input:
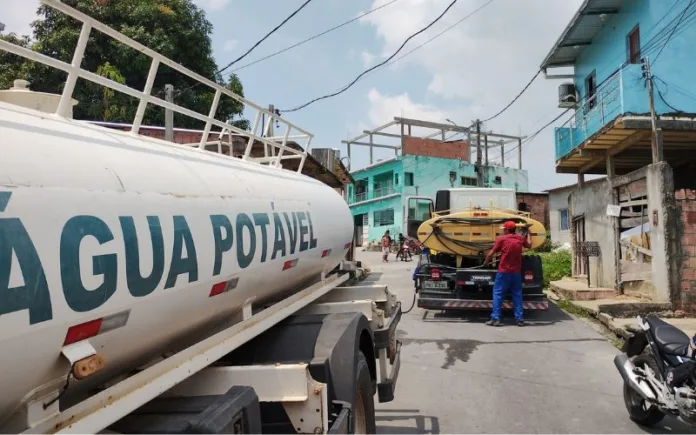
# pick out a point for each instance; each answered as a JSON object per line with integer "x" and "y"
{"x": 386, "y": 244}
{"x": 509, "y": 276}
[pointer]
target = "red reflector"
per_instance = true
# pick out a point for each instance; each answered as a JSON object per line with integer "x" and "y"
{"x": 82, "y": 332}
{"x": 461, "y": 282}
{"x": 218, "y": 288}
{"x": 475, "y": 234}
{"x": 528, "y": 276}
{"x": 325, "y": 253}
{"x": 289, "y": 264}
{"x": 458, "y": 234}
{"x": 345, "y": 247}
{"x": 435, "y": 275}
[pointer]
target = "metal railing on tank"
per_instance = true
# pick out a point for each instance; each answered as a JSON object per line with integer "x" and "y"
{"x": 274, "y": 147}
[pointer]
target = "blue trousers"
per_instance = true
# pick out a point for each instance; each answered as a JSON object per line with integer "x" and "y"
{"x": 505, "y": 282}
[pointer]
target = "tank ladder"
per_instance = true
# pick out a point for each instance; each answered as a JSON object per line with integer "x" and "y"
{"x": 276, "y": 149}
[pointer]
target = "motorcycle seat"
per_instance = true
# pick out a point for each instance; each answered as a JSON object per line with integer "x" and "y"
{"x": 670, "y": 339}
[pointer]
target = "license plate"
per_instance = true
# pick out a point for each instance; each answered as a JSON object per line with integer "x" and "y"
{"x": 435, "y": 285}
{"x": 480, "y": 278}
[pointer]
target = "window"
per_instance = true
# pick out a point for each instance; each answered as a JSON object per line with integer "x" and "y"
{"x": 468, "y": 181}
{"x": 634, "y": 45}
{"x": 408, "y": 178}
{"x": 563, "y": 221}
{"x": 453, "y": 176}
{"x": 396, "y": 179}
{"x": 591, "y": 87}
{"x": 498, "y": 180}
{"x": 522, "y": 206}
{"x": 384, "y": 217}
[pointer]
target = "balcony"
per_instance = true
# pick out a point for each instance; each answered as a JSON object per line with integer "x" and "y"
{"x": 378, "y": 193}
{"x": 622, "y": 93}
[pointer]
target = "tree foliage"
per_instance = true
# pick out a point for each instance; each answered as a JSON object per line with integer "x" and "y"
{"x": 177, "y": 29}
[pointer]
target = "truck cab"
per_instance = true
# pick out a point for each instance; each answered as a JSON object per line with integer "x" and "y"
{"x": 421, "y": 208}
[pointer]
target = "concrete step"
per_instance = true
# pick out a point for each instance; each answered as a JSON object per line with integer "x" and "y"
{"x": 579, "y": 291}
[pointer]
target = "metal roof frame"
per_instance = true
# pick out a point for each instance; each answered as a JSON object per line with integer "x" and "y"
{"x": 497, "y": 139}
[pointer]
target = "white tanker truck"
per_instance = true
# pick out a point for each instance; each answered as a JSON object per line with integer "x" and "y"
{"x": 148, "y": 287}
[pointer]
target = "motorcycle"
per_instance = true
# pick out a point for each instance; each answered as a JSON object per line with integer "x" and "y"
{"x": 659, "y": 373}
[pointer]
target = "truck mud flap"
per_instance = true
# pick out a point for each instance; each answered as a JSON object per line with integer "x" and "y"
{"x": 462, "y": 304}
{"x": 387, "y": 344}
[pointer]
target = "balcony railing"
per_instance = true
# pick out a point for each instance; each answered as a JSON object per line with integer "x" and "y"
{"x": 623, "y": 92}
{"x": 591, "y": 114}
{"x": 380, "y": 192}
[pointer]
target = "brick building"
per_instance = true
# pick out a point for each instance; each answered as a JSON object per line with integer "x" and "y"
{"x": 537, "y": 204}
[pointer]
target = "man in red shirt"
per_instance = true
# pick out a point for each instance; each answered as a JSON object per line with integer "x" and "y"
{"x": 509, "y": 276}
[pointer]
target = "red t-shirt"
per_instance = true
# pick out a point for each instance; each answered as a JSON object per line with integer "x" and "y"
{"x": 510, "y": 246}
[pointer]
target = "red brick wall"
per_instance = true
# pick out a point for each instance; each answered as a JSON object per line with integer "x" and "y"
{"x": 686, "y": 208}
{"x": 435, "y": 148}
{"x": 537, "y": 205}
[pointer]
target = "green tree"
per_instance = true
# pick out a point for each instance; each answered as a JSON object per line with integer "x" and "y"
{"x": 177, "y": 29}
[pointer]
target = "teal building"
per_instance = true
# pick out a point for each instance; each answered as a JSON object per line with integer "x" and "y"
{"x": 379, "y": 197}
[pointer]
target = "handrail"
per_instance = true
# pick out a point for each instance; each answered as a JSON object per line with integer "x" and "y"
{"x": 598, "y": 109}
{"x": 144, "y": 97}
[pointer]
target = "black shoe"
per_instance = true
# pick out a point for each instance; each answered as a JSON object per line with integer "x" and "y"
{"x": 520, "y": 323}
{"x": 493, "y": 322}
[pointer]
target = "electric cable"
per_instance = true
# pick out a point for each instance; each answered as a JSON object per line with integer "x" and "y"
{"x": 289, "y": 17}
{"x": 349, "y": 85}
{"x": 311, "y": 38}
{"x": 516, "y": 97}
{"x": 220, "y": 71}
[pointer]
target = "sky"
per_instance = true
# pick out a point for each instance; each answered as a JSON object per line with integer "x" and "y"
{"x": 471, "y": 71}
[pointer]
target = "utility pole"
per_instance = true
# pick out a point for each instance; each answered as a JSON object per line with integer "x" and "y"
{"x": 657, "y": 132}
{"x": 271, "y": 108}
{"x": 479, "y": 156}
{"x": 169, "y": 114}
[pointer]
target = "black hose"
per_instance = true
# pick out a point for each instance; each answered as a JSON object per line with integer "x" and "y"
{"x": 413, "y": 303}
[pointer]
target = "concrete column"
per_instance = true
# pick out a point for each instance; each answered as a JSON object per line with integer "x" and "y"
{"x": 581, "y": 180}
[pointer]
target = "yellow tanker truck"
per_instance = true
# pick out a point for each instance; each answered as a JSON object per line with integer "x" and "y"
{"x": 457, "y": 231}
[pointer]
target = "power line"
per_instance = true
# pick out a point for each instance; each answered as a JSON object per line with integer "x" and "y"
{"x": 447, "y": 29}
{"x": 536, "y": 133}
{"x": 314, "y": 37}
{"x": 264, "y": 38}
{"x": 345, "y": 88}
{"x": 514, "y": 99}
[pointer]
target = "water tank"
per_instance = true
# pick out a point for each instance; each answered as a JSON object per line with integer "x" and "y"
{"x": 567, "y": 97}
{"x": 21, "y": 95}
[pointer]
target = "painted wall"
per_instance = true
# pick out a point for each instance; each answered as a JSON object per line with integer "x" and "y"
{"x": 558, "y": 200}
{"x": 430, "y": 174}
{"x": 625, "y": 92}
{"x": 591, "y": 201}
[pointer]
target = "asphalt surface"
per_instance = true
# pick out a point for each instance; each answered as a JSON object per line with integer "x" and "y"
{"x": 555, "y": 375}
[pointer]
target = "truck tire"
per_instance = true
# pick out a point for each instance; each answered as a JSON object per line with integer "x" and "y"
{"x": 363, "y": 404}
{"x": 635, "y": 405}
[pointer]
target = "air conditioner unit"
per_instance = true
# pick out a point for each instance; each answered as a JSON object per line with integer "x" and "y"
{"x": 567, "y": 96}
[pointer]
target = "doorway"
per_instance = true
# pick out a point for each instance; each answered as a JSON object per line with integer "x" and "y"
{"x": 579, "y": 263}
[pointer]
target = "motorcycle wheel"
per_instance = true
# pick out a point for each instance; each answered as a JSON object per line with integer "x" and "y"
{"x": 641, "y": 412}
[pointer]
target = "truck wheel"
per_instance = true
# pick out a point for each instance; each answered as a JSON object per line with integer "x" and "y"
{"x": 364, "y": 404}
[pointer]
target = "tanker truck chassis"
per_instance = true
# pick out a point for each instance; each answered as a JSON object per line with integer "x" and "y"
{"x": 154, "y": 287}
{"x": 308, "y": 364}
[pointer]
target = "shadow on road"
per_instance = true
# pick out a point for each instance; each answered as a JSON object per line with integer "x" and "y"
{"x": 532, "y": 318}
{"x": 415, "y": 423}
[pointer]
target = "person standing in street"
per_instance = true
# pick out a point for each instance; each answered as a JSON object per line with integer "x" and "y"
{"x": 509, "y": 276}
{"x": 386, "y": 244}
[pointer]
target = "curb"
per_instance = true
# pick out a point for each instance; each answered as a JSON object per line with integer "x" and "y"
{"x": 604, "y": 319}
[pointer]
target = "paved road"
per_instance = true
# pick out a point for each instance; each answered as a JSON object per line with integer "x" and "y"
{"x": 555, "y": 375}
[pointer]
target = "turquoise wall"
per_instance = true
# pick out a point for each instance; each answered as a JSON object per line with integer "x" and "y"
{"x": 430, "y": 174}
{"x": 621, "y": 88}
